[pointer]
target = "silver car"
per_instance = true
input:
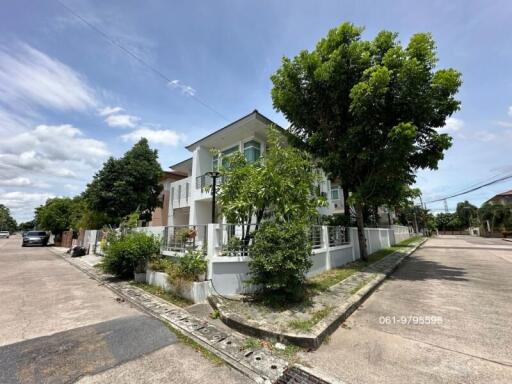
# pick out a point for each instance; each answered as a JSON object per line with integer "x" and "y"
{"x": 4, "y": 234}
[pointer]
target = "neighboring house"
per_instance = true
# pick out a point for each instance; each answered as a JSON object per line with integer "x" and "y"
{"x": 501, "y": 198}
{"x": 160, "y": 215}
{"x": 189, "y": 201}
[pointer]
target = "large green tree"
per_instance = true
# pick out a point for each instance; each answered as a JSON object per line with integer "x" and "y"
{"x": 368, "y": 110}
{"x": 59, "y": 214}
{"x": 7, "y": 222}
{"x": 125, "y": 185}
{"x": 467, "y": 214}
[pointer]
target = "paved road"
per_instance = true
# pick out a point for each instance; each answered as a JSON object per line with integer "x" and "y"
{"x": 59, "y": 326}
{"x": 467, "y": 282}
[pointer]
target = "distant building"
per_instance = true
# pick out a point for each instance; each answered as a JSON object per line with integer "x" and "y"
{"x": 501, "y": 198}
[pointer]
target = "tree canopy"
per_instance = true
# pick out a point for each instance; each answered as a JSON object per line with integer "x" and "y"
{"x": 7, "y": 222}
{"x": 59, "y": 214}
{"x": 368, "y": 110}
{"x": 125, "y": 185}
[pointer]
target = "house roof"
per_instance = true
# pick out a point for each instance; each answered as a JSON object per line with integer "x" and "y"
{"x": 180, "y": 164}
{"x": 507, "y": 193}
{"x": 253, "y": 114}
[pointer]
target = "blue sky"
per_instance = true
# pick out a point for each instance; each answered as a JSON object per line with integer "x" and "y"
{"x": 69, "y": 99}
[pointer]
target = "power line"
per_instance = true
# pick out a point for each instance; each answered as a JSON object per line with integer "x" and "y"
{"x": 136, "y": 57}
{"x": 472, "y": 189}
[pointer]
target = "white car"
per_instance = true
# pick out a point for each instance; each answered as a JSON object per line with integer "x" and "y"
{"x": 4, "y": 234}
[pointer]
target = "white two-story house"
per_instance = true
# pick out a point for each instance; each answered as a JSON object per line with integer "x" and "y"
{"x": 191, "y": 204}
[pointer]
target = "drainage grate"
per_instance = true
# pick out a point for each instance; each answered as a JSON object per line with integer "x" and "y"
{"x": 295, "y": 375}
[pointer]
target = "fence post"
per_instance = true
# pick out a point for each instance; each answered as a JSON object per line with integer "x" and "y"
{"x": 211, "y": 250}
{"x": 326, "y": 246}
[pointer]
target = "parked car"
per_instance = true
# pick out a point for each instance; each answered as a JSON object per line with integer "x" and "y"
{"x": 35, "y": 238}
{"x": 4, "y": 234}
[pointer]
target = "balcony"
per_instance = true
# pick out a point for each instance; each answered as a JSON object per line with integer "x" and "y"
{"x": 180, "y": 193}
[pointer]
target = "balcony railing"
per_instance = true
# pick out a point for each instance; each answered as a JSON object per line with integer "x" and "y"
{"x": 204, "y": 181}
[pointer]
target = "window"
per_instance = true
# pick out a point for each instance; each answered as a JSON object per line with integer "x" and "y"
{"x": 172, "y": 193}
{"x": 252, "y": 151}
{"x": 225, "y": 154}
{"x": 215, "y": 163}
{"x": 335, "y": 194}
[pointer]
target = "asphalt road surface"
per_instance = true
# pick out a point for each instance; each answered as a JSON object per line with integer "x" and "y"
{"x": 445, "y": 316}
{"x": 59, "y": 326}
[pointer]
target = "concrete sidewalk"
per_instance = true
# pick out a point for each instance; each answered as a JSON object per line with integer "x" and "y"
{"x": 464, "y": 284}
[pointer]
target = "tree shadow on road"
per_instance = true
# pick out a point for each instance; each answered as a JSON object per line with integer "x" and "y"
{"x": 420, "y": 269}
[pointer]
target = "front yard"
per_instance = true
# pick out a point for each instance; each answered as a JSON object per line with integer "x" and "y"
{"x": 326, "y": 293}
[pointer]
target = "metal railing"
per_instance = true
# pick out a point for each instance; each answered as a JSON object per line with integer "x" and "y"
{"x": 337, "y": 236}
{"x": 182, "y": 238}
{"x": 205, "y": 181}
{"x": 235, "y": 239}
{"x": 315, "y": 236}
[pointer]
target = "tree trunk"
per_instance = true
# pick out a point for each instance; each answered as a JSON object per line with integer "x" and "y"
{"x": 360, "y": 232}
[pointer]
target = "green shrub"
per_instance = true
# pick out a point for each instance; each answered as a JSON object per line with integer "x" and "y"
{"x": 127, "y": 253}
{"x": 159, "y": 264}
{"x": 280, "y": 257}
{"x": 188, "y": 267}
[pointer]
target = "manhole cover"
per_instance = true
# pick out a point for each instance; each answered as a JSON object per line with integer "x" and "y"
{"x": 295, "y": 375}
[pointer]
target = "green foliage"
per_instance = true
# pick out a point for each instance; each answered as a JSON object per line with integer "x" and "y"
{"x": 7, "y": 222}
{"x": 282, "y": 184}
{"x": 27, "y": 226}
{"x": 127, "y": 253}
{"x": 368, "y": 110}
{"x": 159, "y": 264}
{"x": 126, "y": 185}
{"x": 467, "y": 214}
{"x": 279, "y": 189}
{"x": 498, "y": 215}
{"x": 280, "y": 257}
{"x": 189, "y": 267}
{"x": 59, "y": 214}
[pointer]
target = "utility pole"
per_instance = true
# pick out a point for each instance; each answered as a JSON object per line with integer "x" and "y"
{"x": 445, "y": 206}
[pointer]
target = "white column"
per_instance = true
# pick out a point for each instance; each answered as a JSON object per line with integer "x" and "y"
{"x": 325, "y": 243}
{"x": 211, "y": 230}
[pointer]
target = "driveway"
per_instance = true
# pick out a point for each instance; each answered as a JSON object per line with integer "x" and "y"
{"x": 59, "y": 326}
{"x": 460, "y": 286}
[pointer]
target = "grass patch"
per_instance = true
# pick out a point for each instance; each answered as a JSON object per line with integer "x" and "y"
{"x": 252, "y": 343}
{"x": 359, "y": 286}
{"x": 409, "y": 241}
{"x": 161, "y": 293}
{"x": 327, "y": 279}
{"x": 307, "y": 325}
{"x": 289, "y": 353}
{"x": 196, "y": 347}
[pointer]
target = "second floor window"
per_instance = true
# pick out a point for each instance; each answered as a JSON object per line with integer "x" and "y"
{"x": 252, "y": 151}
{"x": 335, "y": 194}
{"x": 224, "y": 156}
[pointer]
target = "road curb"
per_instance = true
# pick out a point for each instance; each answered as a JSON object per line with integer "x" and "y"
{"x": 323, "y": 328}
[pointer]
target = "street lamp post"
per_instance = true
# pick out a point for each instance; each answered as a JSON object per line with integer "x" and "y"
{"x": 214, "y": 175}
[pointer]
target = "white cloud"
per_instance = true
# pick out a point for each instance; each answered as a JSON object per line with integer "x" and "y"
{"x": 122, "y": 121}
{"x": 16, "y": 182}
{"x": 485, "y": 136}
{"x": 155, "y": 136}
{"x": 52, "y": 149}
{"x": 452, "y": 125}
{"x": 504, "y": 124}
{"x": 22, "y": 204}
{"x": 510, "y": 111}
{"x": 29, "y": 77}
{"x": 185, "y": 89}
{"x": 105, "y": 111}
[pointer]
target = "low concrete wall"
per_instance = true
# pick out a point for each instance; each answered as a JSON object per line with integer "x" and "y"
{"x": 228, "y": 274}
{"x": 197, "y": 292}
